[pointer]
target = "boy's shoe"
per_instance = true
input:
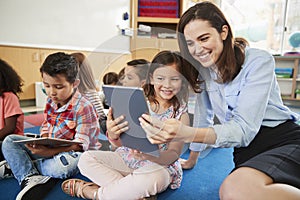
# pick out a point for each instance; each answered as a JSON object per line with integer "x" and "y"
{"x": 35, "y": 187}
{"x": 5, "y": 171}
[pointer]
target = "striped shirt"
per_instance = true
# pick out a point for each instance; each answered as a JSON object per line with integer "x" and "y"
{"x": 94, "y": 98}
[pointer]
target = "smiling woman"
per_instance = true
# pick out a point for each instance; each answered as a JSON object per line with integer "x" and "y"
{"x": 238, "y": 85}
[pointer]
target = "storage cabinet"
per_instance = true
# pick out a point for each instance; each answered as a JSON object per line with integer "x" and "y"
{"x": 27, "y": 62}
{"x": 147, "y": 46}
{"x": 103, "y": 62}
{"x": 288, "y": 84}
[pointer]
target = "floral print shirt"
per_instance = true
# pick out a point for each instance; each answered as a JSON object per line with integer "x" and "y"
{"x": 174, "y": 169}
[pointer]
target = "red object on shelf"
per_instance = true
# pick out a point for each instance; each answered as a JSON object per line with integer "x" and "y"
{"x": 158, "y": 8}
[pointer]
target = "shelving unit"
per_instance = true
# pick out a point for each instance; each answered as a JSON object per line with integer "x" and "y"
{"x": 148, "y": 46}
{"x": 288, "y": 86}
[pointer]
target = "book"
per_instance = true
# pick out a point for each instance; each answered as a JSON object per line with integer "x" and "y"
{"x": 51, "y": 142}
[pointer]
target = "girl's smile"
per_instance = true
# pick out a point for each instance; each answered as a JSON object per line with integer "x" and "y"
{"x": 167, "y": 82}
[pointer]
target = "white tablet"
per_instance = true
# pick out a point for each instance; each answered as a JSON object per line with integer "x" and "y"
{"x": 131, "y": 102}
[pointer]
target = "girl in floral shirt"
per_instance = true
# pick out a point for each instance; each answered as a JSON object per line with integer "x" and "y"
{"x": 128, "y": 173}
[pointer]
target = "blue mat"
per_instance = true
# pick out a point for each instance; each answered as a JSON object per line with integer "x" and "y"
{"x": 201, "y": 182}
{"x": 204, "y": 180}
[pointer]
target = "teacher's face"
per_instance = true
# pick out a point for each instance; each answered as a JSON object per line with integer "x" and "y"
{"x": 204, "y": 42}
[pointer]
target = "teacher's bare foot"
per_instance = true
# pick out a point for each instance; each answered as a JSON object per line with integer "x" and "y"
{"x": 187, "y": 164}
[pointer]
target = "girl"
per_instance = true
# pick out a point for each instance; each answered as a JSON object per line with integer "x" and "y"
{"x": 127, "y": 173}
{"x": 11, "y": 114}
{"x": 239, "y": 86}
{"x": 88, "y": 88}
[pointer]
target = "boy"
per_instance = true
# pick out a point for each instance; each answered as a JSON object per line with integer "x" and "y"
{"x": 135, "y": 73}
{"x": 67, "y": 116}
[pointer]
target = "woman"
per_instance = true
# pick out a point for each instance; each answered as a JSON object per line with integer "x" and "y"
{"x": 239, "y": 86}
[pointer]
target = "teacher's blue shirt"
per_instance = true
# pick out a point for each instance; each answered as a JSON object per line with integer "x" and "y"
{"x": 243, "y": 105}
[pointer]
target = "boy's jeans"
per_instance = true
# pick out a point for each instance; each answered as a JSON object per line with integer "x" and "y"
{"x": 23, "y": 163}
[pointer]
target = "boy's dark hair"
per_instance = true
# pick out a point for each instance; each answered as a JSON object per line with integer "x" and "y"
{"x": 110, "y": 78}
{"x": 60, "y": 63}
{"x": 141, "y": 67}
{"x": 137, "y": 62}
{"x": 10, "y": 81}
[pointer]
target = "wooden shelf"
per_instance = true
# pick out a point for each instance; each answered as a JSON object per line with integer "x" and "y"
{"x": 284, "y": 79}
{"x": 289, "y": 98}
{"x": 32, "y": 109}
{"x": 158, "y": 20}
{"x": 144, "y": 47}
{"x": 289, "y": 85}
{"x": 286, "y": 57}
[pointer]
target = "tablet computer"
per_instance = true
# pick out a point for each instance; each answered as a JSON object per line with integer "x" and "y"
{"x": 131, "y": 102}
{"x": 50, "y": 142}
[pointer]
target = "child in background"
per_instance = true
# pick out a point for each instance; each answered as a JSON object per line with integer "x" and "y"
{"x": 11, "y": 114}
{"x": 121, "y": 76}
{"x": 135, "y": 73}
{"x": 110, "y": 78}
{"x": 132, "y": 75}
{"x": 127, "y": 173}
{"x": 67, "y": 116}
{"x": 87, "y": 87}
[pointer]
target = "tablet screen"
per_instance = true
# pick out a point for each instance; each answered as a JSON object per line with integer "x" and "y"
{"x": 131, "y": 102}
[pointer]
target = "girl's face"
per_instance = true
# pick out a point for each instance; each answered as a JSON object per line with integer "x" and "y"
{"x": 130, "y": 78}
{"x": 167, "y": 82}
{"x": 204, "y": 42}
{"x": 58, "y": 88}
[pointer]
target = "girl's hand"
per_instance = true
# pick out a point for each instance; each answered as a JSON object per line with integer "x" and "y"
{"x": 162, "y": 132}
{"x": 140, "y": 155}
{"x": 115, "y": 127}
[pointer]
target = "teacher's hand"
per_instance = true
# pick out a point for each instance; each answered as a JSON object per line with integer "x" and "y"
{"x": 163, "y": 131}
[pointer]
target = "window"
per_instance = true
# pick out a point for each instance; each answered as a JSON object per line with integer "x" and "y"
{"x": 266, "y": 24}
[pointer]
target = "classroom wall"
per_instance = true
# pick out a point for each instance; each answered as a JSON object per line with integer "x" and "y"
{"x": 65, "y": 24}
